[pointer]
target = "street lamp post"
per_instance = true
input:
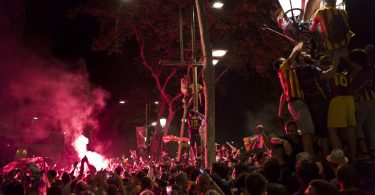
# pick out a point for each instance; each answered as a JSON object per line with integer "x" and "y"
{"x": 147, "y": 132}
{"x": 163, "y": 122}
{"x": 147, "y": 121}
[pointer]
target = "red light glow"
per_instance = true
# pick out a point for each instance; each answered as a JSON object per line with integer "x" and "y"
{"x": 80, "y": 145}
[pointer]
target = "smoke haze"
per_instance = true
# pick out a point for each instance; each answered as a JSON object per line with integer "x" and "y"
{"x": 266, "y": 117}
{"x": 44, "y": 100}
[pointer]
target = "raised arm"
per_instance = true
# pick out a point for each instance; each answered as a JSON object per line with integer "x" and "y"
{"x": 82, "y": 168}
{"x": 327, "y": 74}
{"x": 315, "y": 23}
{"x": 296, "y": 50}
{"x": 266, "y": 140}
{"x": 74, "y": 168}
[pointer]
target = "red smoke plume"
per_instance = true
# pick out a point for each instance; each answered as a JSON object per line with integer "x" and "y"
{"x": 46, "y": 104}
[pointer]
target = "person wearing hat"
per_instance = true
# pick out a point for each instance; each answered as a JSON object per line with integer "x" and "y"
{"x": 337, "y": 157}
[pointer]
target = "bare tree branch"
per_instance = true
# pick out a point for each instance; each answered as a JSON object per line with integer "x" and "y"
{"x": 176, "y": 97}
{"x": 147, "y": 65}
{"x": 169, "y": 77}
{"x": 221, "y": 74}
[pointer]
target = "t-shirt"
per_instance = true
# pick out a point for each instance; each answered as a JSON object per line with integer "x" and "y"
{"x": 334, "y": 28}
{"x": 194, "y": 123}
{"x": 314, "y": 89}
{"x": 289, "y": 82}
{"x": 367, "y": 93}
{"x": 340, "y": 85}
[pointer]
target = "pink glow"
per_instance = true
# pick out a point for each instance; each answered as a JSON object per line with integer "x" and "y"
{"x": 46, "y": 100}
{"x": 80, "y": 145}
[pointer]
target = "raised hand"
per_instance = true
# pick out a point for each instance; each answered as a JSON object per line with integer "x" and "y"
{"x": 84, "y": 159}
{"x": 260, "y": 128}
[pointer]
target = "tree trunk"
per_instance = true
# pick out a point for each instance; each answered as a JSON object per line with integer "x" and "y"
{"x": 170, "y": 117}
{"x": 209, "y": 85}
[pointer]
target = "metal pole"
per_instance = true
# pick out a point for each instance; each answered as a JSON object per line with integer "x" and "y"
{"x": 209, "y": 85}
{"x": 291, "y": 9}
{"x": 147, "y": 133}
{"x": 182, "y": 127}
{"x": 181, "y": 34}
{"x": 195, "y": 68}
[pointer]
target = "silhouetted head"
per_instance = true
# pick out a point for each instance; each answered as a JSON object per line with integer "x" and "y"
{"x": 276, "y": 64}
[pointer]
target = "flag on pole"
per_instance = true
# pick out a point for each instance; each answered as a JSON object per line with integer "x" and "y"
{"x": 140, "y": 134}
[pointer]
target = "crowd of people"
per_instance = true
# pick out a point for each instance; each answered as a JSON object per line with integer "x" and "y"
{"x": 278, "y": 167}
{"x": 331, "y": 102}
{"x": 331, "y": 95}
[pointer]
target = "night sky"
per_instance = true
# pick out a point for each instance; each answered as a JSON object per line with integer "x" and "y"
{"x": 241, "y": 101}
{"x": 237, "y": 99}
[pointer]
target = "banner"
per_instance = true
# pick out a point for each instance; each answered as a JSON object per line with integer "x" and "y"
{"x": 35, "y": 164}
{"x": 140, "y": 134}
{"x": 253, "y": 142}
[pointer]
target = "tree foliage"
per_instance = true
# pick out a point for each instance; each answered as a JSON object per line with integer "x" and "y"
{"x": 154, "y": 24}
{"x": 237, "y": 27}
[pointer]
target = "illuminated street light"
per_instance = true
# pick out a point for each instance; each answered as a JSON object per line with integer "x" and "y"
{"x": 218, "y": 52}
{"x": 122, "y": 102}
{"x": 214, "y": 61}
{"x": 156, "y": 102}
{"x": 218, "y": 5}
{"x": 154, "y": 124}
{"x": 163, "y": 122}
{"x": 35, "y": 118}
